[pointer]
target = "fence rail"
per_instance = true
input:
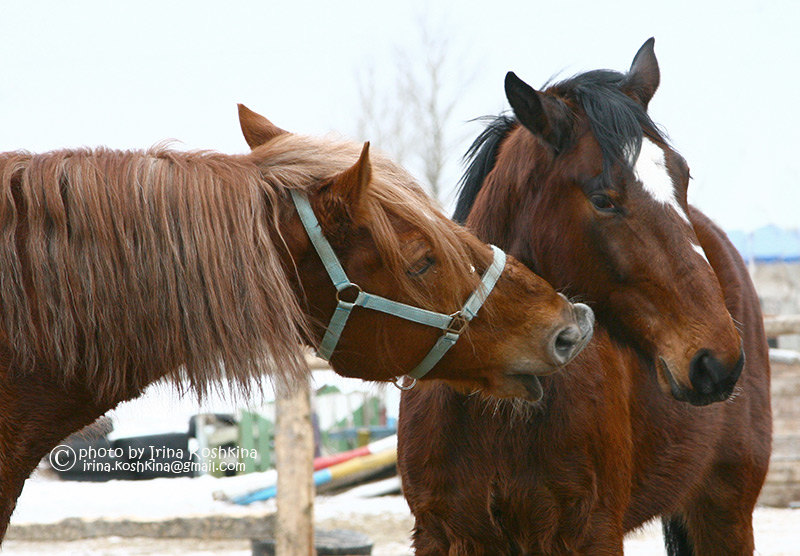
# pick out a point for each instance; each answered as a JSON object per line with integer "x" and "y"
{"x": 779, "y": 325}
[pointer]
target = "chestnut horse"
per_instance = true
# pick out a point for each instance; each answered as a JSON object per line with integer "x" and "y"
{"x": 583, "y": 188}
{"x": 120, "y": 268}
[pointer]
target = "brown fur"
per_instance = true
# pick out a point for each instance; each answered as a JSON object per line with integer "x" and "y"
{"x": 609, "y": 447}
{"x": 161, "y": 254}
{"x": 119, "y": 268}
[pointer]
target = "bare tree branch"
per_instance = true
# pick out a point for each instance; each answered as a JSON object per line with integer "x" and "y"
{"x": 412, "y": 122}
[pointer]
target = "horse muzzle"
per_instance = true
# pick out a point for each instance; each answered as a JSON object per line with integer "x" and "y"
{"x": 711, "y": 379}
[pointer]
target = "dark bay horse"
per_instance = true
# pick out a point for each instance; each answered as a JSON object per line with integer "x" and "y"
{"x": 120, "y": 268}
{"x": 583, "y": 188}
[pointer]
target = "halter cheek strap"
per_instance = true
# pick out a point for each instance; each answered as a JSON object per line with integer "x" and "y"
{"x": 452, "y": 325}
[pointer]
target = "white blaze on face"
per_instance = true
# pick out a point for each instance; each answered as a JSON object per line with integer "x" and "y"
{"x": 651, "y": 171}
{"x": 700, "y": 252}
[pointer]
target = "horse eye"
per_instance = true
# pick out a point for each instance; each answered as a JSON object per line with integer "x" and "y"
{"x": 603, "y": 202}
{"x": 421, "y": 267}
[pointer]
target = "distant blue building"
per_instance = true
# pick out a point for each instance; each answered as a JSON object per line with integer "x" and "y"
{"x": 769, "y": 244}
{"x": 773, "y": 257}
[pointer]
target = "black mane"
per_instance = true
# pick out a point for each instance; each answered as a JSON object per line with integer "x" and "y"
{"x": 616, "y": 120}
{"x": 480, "y": 158}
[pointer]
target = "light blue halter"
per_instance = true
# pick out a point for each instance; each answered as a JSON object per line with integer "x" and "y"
{"x": 453, "y": 325}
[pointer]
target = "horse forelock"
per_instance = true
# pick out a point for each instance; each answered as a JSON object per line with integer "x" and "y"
{"x": 618, "y": 123}
{"x": 119, "y": 267}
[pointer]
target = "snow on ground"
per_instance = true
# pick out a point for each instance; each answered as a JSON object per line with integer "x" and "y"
{"x": 777, "y": 533}
{"x": 387, "y": 520}
{"x": 117, "y": 546}
{"x": 49, "y": 501}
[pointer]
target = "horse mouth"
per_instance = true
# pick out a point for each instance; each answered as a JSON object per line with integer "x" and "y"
{"x": 531, "y": 384}
{"x": 667, "y": 378}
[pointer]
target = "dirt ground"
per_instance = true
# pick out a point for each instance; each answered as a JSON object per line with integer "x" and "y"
{"x": 777, "y": 534}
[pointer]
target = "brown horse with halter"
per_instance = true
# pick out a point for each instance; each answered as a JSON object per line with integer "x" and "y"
{"x": 121, "y": 268}
{"x": 584, "y": 189}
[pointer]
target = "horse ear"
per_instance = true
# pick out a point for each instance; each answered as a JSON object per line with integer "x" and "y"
{"x": 256, "y": 128}
{"x": 528, "y": 107}
{"x": 643, "y": 77}
{"x": 350, "y": 186}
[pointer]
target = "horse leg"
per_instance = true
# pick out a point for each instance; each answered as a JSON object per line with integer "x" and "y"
{"x": 432, "y": 539}
{"x": 429, "y": 545}
{"x": 676, "y": 536}
{"x": 720, "y": 518}
{"x": 429, "y": 539}
{"x": 610, "y": 545}
{"x": 37, "y": 410}
{"x": 717, "y": 529}
{"x": 605, "y": 534}
{"x": 10, "y": 490}
{"x": 606, "y": 548}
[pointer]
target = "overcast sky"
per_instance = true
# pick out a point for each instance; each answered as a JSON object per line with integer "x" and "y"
{"x": 130, "y": 74}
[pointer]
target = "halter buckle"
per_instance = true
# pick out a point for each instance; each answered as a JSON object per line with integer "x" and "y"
{"x": 458, "y": 324}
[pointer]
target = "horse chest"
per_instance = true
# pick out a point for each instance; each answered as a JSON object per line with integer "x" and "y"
{"x": 545, "y": 498}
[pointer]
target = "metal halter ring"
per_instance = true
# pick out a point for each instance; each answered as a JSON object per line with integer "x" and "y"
{"x": 354, "y": 288}
{"x": 398, "y": 382}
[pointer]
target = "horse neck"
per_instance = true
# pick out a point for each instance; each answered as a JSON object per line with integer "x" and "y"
{"x": 494, "y": 214}
{"x": 499, "y": 218}
{"x": 307, "y": 277}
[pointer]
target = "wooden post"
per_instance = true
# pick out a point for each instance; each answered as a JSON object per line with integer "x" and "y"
{"x": 294, "y": 451}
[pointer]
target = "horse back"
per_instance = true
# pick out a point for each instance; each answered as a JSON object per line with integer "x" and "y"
{"x": 752, "y": 395}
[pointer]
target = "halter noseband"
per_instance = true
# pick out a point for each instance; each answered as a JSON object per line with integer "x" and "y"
{"x": 453, "y": 325}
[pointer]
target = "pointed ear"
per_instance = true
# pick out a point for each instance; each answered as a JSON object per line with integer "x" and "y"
{"x": 529, "y": 108}
{"x": 256, "y": 128}
{"x": 643, "y": 77}
{"x": 349, "y": 186}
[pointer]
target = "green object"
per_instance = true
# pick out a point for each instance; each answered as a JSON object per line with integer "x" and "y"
{"x": 266, "y": 434}
{"x": 367, "y": 415}
{"x": 255, "y": 434}
{"x": 247, "y": 439}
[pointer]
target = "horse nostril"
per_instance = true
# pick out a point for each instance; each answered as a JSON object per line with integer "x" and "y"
{"x": 704, "y": 374}
{"x": 565, "y": 343}
{"x": 567, "y": 338}
{"x": 709, "y": 375}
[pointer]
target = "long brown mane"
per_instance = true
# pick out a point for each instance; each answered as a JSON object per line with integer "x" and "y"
{"x": 127, "y": 265}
